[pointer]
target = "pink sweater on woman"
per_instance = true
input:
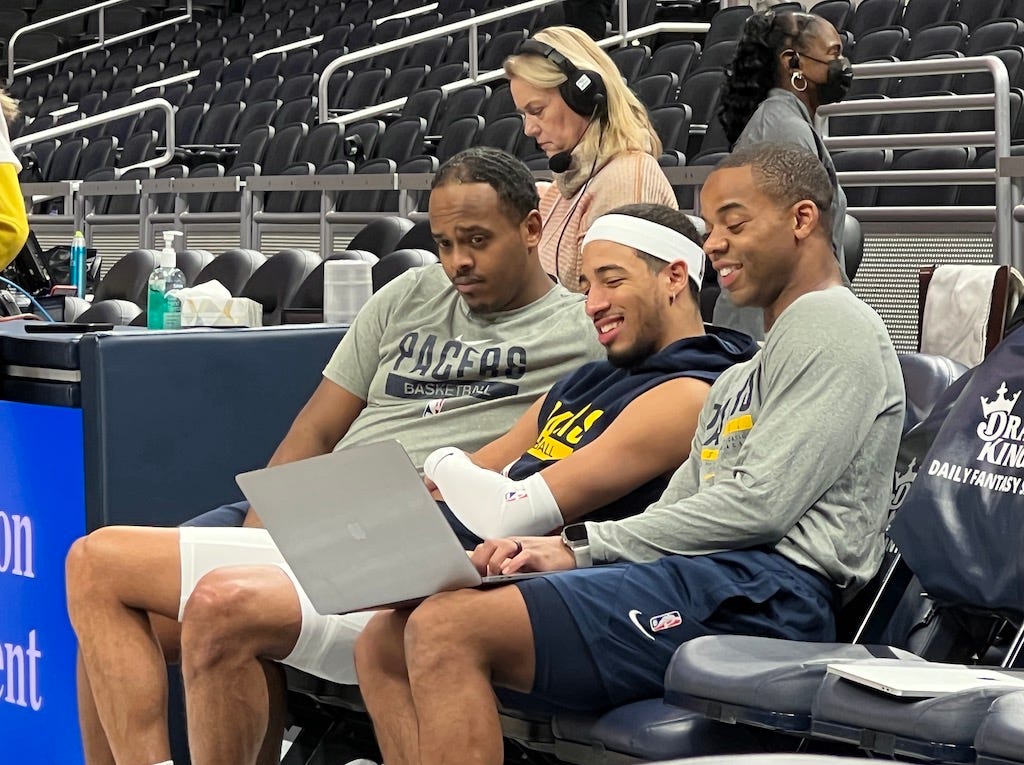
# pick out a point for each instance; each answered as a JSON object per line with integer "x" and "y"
{"x": 628, "y": 178}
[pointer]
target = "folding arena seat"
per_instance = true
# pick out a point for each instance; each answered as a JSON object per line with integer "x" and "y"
{"x": 265, "y": 40}
{"x": 874, "y": 14}
{"x": 229, "y": 92}
{"x": 320, "y": 145}
{"x": 255, "y": 116}
{"x": 126, "y": 77}
{"x": 921, "y": 13}
{"x": 63, "y": 164}
{"x": 446, "y": 73}
{"x": 881, "y": 43}
{"x": 909, "y": 87}
{"x": 396, "y": 263}
{"x": 424, "y": 22}
{"x": 630, "y": 61}
{"x": 363, "y": 90}
{"x": 151, "y": 72}
{"x": 953, "y": 158}
{"x": 727, "y": 24}
{"x": 838, "y": 12}
{"x": 282, "y": 148}
{"x": 937, "y": 38}
{"x": 997, "y": 33}
{"x": 361, "y": 36}
{"x": 672, "y": 124}
{"x": 1000, "y": 738}
{"x": 425, "y": 103}
{"x": 656, "y": 89}
{"x": 679, "y": 58}
{"x": 368, "y": 200}
{"x": 274, "y": 284}
{"x": 360, "y": 141}
{"x": 463, "y": 103}
{"x": 309, "y": 201}
{"x": 403, "y": 82}
{"x": 297, "y": 62}
{"x": 458, "y": 135}
{"x": 504, "y": 133}
{"x": 500, "y": 47}
{"x": 232, "y": 268}
{"x": 98, "y": 154}
{"x": 861, "y": 160}
{"x": 921, "y": 122}
{"x": 428, "y": 53}
{"x": 459, "y": 49}
{"x": 298, "y": 110}
{"x": 379, "y": 9}
{"x": 700, "y": 91}
{"x": 252, "y": 145}
{"x": 264, "y": 90}
{"x": 139, "y": 147}
{"x": 297, "y": 86}
{"x": 403, "y": 139}
{"x": 254, "y": 24}
{"x": 237, "y": 47}
{"x": 500, "y": 104}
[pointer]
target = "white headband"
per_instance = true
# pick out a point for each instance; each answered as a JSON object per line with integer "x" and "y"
{"x": 656, "y": 240}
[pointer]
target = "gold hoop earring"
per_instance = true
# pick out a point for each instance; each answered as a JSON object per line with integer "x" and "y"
{"x": 796, "y": 77}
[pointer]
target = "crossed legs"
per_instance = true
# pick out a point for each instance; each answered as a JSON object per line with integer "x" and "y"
{"x": 427, "y": 676}
{"x": 124, "y": 593}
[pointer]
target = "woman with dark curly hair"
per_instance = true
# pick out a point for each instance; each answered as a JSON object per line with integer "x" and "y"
{"x": 786, "y": 65}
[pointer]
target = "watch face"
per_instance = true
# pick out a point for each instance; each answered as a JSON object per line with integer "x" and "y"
{"x": 576, "y": 533}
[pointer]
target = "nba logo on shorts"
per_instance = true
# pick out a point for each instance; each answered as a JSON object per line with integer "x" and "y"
{"x": 666, "y": 621}
{"x": 512, "y": 496}
{"x": 433, "y": 407}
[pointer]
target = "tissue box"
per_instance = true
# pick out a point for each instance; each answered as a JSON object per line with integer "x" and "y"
{"x": 207, "y": 312}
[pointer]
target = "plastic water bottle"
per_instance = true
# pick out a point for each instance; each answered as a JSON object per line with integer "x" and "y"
{"x": 78, "y": 263}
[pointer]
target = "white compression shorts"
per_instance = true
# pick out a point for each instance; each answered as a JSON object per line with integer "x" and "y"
{"x": 325, "y": 643}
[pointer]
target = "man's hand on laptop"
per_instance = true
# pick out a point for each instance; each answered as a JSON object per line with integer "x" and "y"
{"x": 522, "y": 554}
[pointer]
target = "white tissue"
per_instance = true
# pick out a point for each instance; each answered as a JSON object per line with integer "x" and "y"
{"x": 210, "y": 305}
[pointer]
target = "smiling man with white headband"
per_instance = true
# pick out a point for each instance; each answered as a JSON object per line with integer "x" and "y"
{"x": 641, "y": 271}
{"x": 776, "y": 516}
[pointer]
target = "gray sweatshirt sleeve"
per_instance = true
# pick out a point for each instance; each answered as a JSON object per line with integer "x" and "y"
{"x": 821, "y": 389}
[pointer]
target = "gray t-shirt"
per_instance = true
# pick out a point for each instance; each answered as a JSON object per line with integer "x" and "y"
{"x": 434, "y": 374}
{"x": 794, "y": 450}
{"x": 783, "y": 118}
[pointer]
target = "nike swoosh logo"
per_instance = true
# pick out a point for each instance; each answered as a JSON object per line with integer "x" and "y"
{"x": 636, "y": 623}
{"x": 471, "y": 343}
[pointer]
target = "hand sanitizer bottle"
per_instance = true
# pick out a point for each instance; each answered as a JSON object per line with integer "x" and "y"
{"x": 163, "y": 306}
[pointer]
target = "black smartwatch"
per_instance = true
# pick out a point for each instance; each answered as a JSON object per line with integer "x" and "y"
{"x": 575, "y": 538}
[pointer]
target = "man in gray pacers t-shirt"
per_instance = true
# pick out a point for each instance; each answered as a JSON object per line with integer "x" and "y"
{"x": 448, "y": 353}
{"x": 775, "y": 517}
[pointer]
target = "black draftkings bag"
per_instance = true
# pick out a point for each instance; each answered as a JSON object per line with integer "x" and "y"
{"x": 961, "y": 524}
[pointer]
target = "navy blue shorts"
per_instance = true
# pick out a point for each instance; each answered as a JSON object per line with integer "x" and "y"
{"x": 604, "y": 636}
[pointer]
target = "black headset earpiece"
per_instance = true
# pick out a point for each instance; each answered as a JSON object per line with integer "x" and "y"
{"x": 794, "y": 61}
{"x": 583, "y": 90}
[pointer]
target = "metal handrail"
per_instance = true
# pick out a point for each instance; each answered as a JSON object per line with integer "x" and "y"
{"x": 102, "y": 42}
{"x": 480, "y": 77}
{"x": 1009, "y": 240}
{"x": 113, "y": 114}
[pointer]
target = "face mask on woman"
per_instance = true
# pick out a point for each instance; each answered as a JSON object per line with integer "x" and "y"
{"x": 837, "y": 82}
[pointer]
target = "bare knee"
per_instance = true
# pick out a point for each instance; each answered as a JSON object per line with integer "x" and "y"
{"x": 87, "y": 568}
{"x": 442, "y": 628}
{"x": 379, "y": 646}
{"x": 215, "y": 617}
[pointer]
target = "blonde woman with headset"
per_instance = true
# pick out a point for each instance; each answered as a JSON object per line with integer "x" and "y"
{"x": 13, "y": 222}
{"x": 597, "y": 135}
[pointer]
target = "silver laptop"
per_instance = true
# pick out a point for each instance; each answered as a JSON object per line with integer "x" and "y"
{"x": 924, "y": 680}
{"x": 360, "y": 530}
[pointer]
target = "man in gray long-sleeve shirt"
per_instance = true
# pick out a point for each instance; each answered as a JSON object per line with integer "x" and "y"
{"x": 775, "y": 518}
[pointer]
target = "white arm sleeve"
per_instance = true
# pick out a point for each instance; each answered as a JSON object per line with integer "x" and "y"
{"x": 488, "y": 503}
